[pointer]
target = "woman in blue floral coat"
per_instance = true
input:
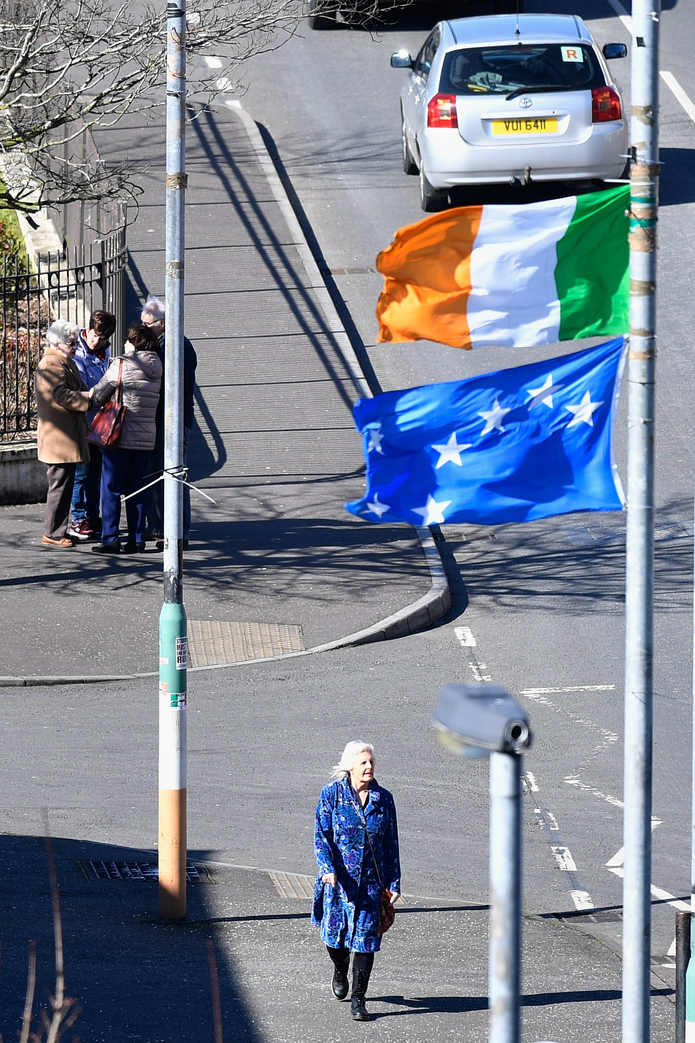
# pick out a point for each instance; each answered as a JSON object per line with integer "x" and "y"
{"x": 356, "y": 843}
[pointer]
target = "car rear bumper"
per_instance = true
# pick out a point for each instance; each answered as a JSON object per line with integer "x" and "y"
{"x": 450, "y": 161}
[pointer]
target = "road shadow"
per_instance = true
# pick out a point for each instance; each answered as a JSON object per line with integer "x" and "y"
{"x": 677, "y": 184}
{"x": 571, "y": 564}
{"x": 133, "y": 977}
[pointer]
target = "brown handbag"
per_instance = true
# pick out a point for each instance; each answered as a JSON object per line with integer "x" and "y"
{"x": 105, "y": 428}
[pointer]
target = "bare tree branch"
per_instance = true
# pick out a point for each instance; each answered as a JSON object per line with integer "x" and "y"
{"x": 70, "y": 64}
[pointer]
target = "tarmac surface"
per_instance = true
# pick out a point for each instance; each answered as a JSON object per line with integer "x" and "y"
{"x": 135, "y": 978}
{"x": 276, "y": 564}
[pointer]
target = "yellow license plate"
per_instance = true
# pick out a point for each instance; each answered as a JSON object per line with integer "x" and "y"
{"x": 530, "y": 125}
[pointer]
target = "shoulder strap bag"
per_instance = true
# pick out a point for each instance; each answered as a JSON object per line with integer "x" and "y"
{"x": 105, "y": 428}
{"x": 387, "y": 912}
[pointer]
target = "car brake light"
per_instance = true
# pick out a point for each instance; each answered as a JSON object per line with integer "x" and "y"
{"x": 605, "y": 105}
{"x": 441, "y": 111}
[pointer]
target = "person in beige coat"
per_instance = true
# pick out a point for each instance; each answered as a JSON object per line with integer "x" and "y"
{"x": 62, "y": 402}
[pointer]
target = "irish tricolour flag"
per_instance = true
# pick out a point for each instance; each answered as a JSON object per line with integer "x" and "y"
{"x": 510, "y": 275}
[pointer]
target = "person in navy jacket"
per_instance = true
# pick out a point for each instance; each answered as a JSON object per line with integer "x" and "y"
{"x": 356, "y": 845}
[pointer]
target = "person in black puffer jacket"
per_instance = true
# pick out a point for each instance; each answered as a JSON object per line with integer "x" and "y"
{"x": 125, "y": 466}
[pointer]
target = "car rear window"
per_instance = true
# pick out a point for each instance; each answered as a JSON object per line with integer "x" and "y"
{"x": 508, "y": 67}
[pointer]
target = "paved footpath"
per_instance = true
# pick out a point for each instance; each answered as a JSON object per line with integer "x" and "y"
{"x": 139, "y": 980}
{"x": 276, "y": 564}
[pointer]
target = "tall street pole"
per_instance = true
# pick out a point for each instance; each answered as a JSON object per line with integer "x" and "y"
{"x": 644, "y": 195}
{"x": 505, "y": 898}
{"x": 173, "y": 640}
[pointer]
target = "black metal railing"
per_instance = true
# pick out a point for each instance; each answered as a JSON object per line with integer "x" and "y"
{"x": 33, "y": 295}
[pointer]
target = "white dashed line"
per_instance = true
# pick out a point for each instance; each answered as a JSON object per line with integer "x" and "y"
{"x": 582, "y": 900}
{"x": 563, "y": 857}
{"x": 464, "y": 636}
{"x": 668, "y": 77}
{"x": 622, "y": 14}
{"x": 533, "y": 692}
{"x": 678, "y": 93}
{"x": 658, "y": 892}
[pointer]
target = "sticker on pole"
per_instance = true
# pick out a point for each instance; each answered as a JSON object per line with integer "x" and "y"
{"x": 182, "y": 653}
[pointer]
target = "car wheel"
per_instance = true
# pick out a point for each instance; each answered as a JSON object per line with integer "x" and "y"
{"x": 409, "y": 164}
{"x": 322, "y": 14}
{"x": 431, "y": 199}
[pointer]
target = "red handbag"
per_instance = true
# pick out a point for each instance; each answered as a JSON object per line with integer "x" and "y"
{"x": 105, "y": 428}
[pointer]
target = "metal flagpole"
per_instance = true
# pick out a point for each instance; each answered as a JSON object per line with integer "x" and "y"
{"x": 505, "y": 897}
{"x": 173, "y": 642}
{"x": 644, "y": 188}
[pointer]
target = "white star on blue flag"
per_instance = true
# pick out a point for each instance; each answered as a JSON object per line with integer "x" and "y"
{"x": 481, "y": 450}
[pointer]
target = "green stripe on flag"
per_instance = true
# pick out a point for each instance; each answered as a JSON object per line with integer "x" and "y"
{"x": 592, "y": 275}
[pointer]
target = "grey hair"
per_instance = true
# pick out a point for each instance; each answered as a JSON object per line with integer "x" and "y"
{"x": 153, "y": 308}
{"x": 62, "y": 332}
{"x": 347, "y": 758}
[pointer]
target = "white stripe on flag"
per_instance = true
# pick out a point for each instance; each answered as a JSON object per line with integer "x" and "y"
{"x": 514, "y": 297}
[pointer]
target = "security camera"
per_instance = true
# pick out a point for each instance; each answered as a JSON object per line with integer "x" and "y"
{"x": 474, "y": 719}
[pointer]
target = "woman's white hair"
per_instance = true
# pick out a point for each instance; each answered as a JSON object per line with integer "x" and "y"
{"x": 347, "y": 758}
{"x": 153, "y": 309}
{"x": 62, "y": 332}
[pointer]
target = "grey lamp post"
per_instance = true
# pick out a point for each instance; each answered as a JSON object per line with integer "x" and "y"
{"x": 480, "y": 721}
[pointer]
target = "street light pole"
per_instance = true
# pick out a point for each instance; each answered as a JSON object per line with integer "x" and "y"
{"x": 173, "y": 641}
{"x": 505, "y": 897}
{"x": 644, "y": 193}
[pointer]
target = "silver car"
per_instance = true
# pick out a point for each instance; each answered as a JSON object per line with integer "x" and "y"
{"x": 510, "y": 98}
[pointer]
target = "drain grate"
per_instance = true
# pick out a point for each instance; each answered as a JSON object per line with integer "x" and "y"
{"x": 96, "y": 870}
{"x": 292, "y": 885}
{"x": 212, "y": 642}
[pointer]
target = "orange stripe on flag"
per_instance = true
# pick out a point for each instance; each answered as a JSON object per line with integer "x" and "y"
{"x": 427, "y": 272}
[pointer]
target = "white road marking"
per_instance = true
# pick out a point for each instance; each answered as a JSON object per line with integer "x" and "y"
{"x": 582, "y": 900}
{"x": 465, "y": 637}
{"x": 549, "y": 824}
{"x": 572, "y": 780}
{"x": 672, "y": 948}
{"x": 622, "y": 14}
{"x": 564, "y": 859}
{"x": 619, "y": 857}
{"x": 678, "y": 92}
{"x": 533, "y": 692}
{"x": 477, "y": 674}
{"x": 212, "y": 63}
{"x": 658, "y": 892}
{"x": 552, "y": 821}
{"x": 668, "y": 77}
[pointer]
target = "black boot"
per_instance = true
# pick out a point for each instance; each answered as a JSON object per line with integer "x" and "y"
{"x": 362, "y": 963}
{"x": 341, "y": 966}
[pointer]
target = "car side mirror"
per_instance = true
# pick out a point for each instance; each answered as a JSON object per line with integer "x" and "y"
{"x": 401, "y": 60}
{"x": 614, "y": 50}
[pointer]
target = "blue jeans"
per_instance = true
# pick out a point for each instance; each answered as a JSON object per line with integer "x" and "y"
{"x": 123, "y": 471}
{"x": 85, "y": 491}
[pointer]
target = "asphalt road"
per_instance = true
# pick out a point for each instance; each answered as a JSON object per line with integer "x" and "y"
{"x": 544, "y": 601}
{"x": 538, "y": 608}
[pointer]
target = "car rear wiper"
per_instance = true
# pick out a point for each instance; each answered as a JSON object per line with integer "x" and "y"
{"x": 541, "y": 90}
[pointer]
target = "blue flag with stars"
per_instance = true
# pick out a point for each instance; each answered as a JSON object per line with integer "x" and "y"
{"x": 509, "y": 446}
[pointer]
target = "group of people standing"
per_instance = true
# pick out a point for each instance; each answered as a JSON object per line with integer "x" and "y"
{"x": 76, "y": 376}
